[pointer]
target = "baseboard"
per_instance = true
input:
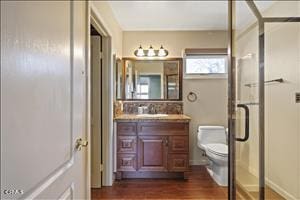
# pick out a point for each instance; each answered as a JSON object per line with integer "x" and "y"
{"x": 279, "y": 190}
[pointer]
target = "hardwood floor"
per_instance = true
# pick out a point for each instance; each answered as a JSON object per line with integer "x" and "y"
{"x": 199, "y": 186}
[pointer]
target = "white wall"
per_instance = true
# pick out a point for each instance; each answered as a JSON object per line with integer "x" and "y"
{"x": 282, "y": 53}
{"x": 211, "y": 106}
{"x": 283, "y": 116}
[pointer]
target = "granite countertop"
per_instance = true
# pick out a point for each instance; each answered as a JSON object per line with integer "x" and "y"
{"x": 168, "y": 118}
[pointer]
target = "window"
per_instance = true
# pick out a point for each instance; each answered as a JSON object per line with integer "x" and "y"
{"x": 143, "y": 88}
{"x": 143, "y": 91}
{"x": 203, "y": 65}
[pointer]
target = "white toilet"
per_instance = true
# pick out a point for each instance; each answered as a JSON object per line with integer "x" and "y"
{"x": 212, "y": 140}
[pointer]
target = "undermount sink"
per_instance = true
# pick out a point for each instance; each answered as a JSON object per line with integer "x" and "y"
{"x": 152, "y": 115}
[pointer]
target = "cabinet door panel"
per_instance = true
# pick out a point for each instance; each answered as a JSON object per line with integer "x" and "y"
{"x": 178, "y": 144}
{"x": 126, "y": 144}
{"x": 178, "y": 162}
{"x": 126, "y": 162}
{"x": 152, "y": 153}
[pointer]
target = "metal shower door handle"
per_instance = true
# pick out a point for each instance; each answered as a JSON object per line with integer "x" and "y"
{"x": 246, "y": 137}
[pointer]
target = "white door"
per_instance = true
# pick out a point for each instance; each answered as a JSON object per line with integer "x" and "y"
{"x": 96, "y": 112}
{"x": 43, "y": 63}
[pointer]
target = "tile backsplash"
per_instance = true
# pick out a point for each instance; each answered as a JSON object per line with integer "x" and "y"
{"x": 131, "y": 107}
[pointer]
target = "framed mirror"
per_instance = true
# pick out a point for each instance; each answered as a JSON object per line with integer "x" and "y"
{"x": 150, "y": 79}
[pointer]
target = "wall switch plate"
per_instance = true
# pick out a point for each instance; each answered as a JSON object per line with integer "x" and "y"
{"x": 297, "y": 97}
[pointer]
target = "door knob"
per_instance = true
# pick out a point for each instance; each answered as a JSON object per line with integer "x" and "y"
{"x": 81, "y": 143}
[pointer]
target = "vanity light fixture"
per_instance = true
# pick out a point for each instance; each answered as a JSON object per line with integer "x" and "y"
{"x": 151, "y": 52}
{"x": 162, "y": 52}
{"x": 140, "y": 52}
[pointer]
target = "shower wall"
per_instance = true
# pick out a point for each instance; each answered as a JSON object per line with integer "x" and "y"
{"x": 282, "y": 111}
{"x": 282, "y": 60}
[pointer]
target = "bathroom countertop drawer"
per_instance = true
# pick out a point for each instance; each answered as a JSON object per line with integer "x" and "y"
{"x": 126, "y": 144}
{"x": 162, "y": 128}
{"x": 126, "y": 162}
{"x": 126, "y": 128}
{"x": 178, "y": 162}
{"x": 178, "y": 144}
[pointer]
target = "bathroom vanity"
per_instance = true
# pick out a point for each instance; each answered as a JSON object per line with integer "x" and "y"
{"x": 154, "y": 146}
{"x": 151, "y": 145}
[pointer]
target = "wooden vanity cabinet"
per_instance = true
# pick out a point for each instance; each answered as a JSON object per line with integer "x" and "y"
{"x": 152, "y": 149}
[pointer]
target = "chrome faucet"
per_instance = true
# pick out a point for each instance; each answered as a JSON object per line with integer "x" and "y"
{"x": 152, "y": 110}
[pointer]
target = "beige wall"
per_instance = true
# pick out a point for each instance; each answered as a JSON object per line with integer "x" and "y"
{"x": 211, "y": 106}
{"x": 174, "y": 41}
{"x": 282, "y": 52}
{"x": 109, "y": 21}
{"x": 209, "y": 109}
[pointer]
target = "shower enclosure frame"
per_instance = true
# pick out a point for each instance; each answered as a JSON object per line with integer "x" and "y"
{"x": 261, "y": 92}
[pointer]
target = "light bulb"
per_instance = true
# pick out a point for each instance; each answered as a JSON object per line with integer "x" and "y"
{"x": 151, "y": 52}
{"x": 162, "y": 52}
{"x": 140, "y": 51}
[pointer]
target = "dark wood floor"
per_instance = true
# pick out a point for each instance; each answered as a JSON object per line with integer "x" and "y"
{"x": 199, "y": 186}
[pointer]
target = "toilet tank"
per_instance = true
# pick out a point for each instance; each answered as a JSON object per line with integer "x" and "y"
{"x": 211, "y": 134}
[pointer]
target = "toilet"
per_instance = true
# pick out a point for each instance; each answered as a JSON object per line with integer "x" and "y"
{"x": 212, "y": 140}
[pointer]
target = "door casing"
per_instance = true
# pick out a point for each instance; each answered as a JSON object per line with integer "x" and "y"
{"x": 95, "y": 18}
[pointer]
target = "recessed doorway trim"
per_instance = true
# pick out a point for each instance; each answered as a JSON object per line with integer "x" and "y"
{"x": 95, "y": 18}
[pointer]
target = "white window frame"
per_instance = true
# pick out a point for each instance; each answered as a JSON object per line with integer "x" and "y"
{"x": 205, "y": 75}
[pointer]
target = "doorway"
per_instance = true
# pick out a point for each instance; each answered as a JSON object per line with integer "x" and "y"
{"x": 96, "y": 114}
{"x": 99, "y": 103}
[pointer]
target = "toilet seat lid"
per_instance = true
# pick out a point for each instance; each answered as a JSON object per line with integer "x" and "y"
{"x": 218, "y": 148}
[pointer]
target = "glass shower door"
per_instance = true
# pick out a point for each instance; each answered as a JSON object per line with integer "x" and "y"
{"x": 247, "y": 103}
{"x": 264, "y": 99}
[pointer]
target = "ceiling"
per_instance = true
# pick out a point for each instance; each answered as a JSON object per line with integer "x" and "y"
{"x": 178, "y": 15}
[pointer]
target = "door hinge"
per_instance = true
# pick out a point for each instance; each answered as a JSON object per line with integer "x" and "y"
{"x": 101, "y": 167}
{"x": 297, "y": 97}
{"x": 101, "y": 54}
